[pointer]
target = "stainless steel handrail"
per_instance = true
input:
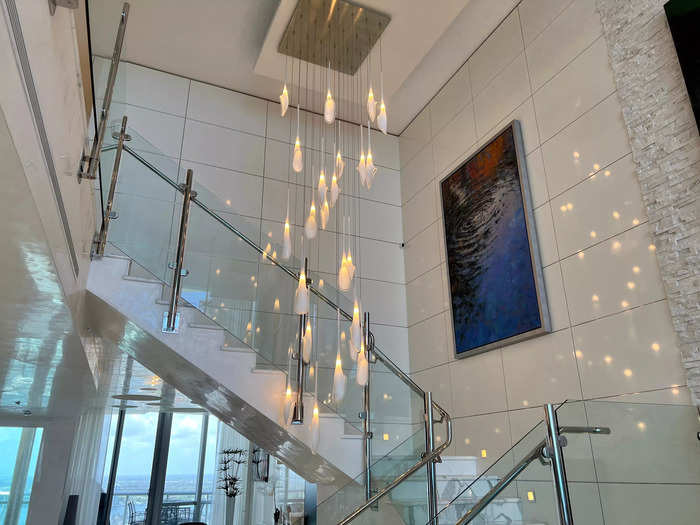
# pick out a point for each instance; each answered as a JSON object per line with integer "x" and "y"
{"x": 539, "y": 451}
{"x": 498, "y": 488}
{"x": 432, "y": 456}
{"x": 292, "y": 273}
{"x": 429, "y": 456}
{"x": 93, "y": 159}
{"x": 104, "y": 227}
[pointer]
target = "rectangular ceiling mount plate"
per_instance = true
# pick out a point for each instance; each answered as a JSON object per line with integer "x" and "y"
{"x": 343, "y": 33}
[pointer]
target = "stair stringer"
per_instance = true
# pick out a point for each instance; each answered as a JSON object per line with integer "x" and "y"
{"x": 224, "y": 382}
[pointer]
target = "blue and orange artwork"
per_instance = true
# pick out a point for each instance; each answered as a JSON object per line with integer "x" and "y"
{"x": 493, "y": 287}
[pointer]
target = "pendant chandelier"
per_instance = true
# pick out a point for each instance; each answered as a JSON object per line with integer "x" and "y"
{"x": 335, "y": 81}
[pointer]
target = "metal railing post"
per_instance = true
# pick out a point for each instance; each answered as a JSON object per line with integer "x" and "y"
{"x": 88, "y": 172}
{"x": 366, "y": 408}
{"x": 298, "y": 411}
{"x": 102, "y": 236}
{"x": 555, "y": 454}
{"x": 429, "y": 447}
{"x": 171, "y": 316}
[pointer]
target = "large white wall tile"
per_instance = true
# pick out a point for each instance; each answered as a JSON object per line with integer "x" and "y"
{"x": 454, "y": 140}
{"x": 386, "y": 302}
{"x": 381, "y": 260}
{"x": 545, "y": 235}
{"x": 380, "y": 221}
{"x": 386, "y": 187}
{"x": 162, "y": 130}
{"x": 278, "y": 161}
{"x": 478, "y": 384}
{"x": 591, "y": 143}
{"x": 606, "y": 203}
{"x": 414, "y": 137}
{"x": 143, "y": 87}
{"x": 437, "y": 381}
{"x": 420, "y": 211}
{"x": 537, "y": 178}
{"x": 535, "y": 15}
{"x": 612, "y": 276}
{"x": 577, "y": 88}
{"x": 227, "y": 108}
{"x": 631, "y": 351}
{"x": 385, "y": 149}
{"x": 423, "y": 252}
{"x": 639, "y": 503}
{"x": 504, "y": 94}
{"x": 224, "y": 148}
{"x": 450, "y": 99}
{"x": 645, "y": 431}
{"x": 417, "y": 173}
{"x": 425, "y": 296}
{"x": 569, "y": 34}
{"x": 541, "y": 370}
{"x": 394, "y": 343}
{"x": 499, "y": 50}
{"x": 428, "y": 343}
{"x": 228, "y": 190}
{"x": 475, "y": 434}
{"x": 554, "y": 286}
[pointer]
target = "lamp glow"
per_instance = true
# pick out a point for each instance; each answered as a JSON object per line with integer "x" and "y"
{"x": 307, "y": 343}
{"x": 371, "y": 105}
{"x": 284, "y": 100}
{"x": 311, "y": 227}
{"x": 301, "y": 296}
{"x": 362, "y": 366}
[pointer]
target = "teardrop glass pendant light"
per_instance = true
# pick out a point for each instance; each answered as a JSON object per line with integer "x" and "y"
{"x": 381, "y": 118}
{"x": 284, "y": 101}
{"x": 362, "y": 165}
{"x": 335, "y": 190}
{"x": 329, "y": 108}
{"x": 339, "y": 379}
{"x": 339, "y": 165}
{"x": 311, "y": 226}
{"x": 370, "y": 169}
{"x": 315, "y": 428}
{"x": 356, "y": 328}
{"x": 362, "y": 366}
{"x": 301, "y": 295}
{"x": 325, "y": 213}
{"x": 286, "y": 235}
{"x": 371, "y": 104}
{"x": 307, "y": 342}
{"x": 322, "y": 186}
{"x": 297, "y": 160}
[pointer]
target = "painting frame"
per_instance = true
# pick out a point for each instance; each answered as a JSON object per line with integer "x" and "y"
{"x": 535, "y": 257}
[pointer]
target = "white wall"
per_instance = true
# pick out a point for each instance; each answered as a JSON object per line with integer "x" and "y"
{"x": 545, "y": 65}
{"x": 239, "y": 148}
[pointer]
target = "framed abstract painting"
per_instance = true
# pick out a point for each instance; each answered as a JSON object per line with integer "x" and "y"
{"x": 497, "y": 289}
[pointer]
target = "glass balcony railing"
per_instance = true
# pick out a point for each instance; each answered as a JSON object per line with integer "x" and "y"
{"x": 619, "y": 462}
{"x": 246, "y": 289}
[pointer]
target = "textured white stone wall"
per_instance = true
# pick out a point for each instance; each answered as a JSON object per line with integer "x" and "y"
{"x": 666, "y": 150}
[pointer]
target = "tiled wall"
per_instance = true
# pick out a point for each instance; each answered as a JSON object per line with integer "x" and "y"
{"x": 665, "y": 142}
{"x": 239, "y": 148}
{"x": 546, "y": 65}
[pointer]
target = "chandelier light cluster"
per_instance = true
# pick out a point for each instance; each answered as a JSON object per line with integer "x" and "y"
{"x": 336, "y": 88}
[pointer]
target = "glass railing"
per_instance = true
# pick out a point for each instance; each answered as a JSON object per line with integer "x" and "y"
{"x": 635, "y": 463}
{"x": 506, "y": 506}
{"x": 236, "y": 278}
{"x": 647, "y": 471}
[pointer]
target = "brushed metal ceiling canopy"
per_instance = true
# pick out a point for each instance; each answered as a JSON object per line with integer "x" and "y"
{"x": 338, "y": 31}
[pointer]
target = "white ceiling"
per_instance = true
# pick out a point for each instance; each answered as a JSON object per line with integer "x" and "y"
{"x": 233, "y": 44}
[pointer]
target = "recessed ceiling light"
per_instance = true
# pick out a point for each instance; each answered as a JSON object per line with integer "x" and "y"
{"x": 137, "y": 397}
